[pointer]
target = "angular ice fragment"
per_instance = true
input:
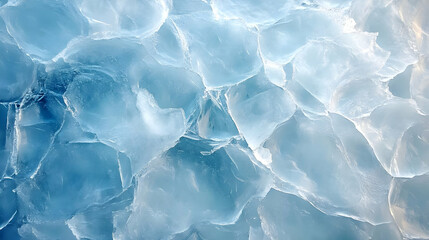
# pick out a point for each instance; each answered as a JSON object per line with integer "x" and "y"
{"x": 188, "y": 184}
{"x": 128, "y": 63}
{"x": 130, "y": 17}
{"x": 384, "y": 128}
{"x": 214, "y": 122}
{"x": 280, "y": 41}
{"x": 43, "y": 27}
{"x": 394, "y": 36}
{"x": 305, "y": 100}
{"x": 247, "y": 227}
{"x": 358, "y": 97}
{"x": 285, "y": 216}
{"x": 332, "y": 64}
{"x": 223, "y": 53}
{"x": 411, "y": 155}
{"x": 38, "y": 121}
{"x": 132, "y": 122}
{"x": 171, "y": 87}
{"x": 257, "y": 106}
{"x": 123, "y": 54}
{"x": 408, "y": 203}
{"x": 168, "y": 45}
{"x": 338, "y": 151}
{"x": 96, "y": 222}
{"x": 71, "y": 178}
{"x": 16, "y": 70}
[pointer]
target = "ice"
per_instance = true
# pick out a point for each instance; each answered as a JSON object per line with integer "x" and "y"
{"x": 181, "y": 191}
{"x": 68, "y": 181}
{"x": 257, "y": 107}
{"x": 214, "y": 119}
{"x": 36, "y": 133}
{"x": 214, "y": 122}
{"x": 223, "y": 53}
{"x": 338, "y": 151}
{"x": 8, "y": 201}
{"x": 408, "y": 203}
{"x": 43, "y": 28}
{"x": 393, "y": 34}
{"x": 284, "y": 216}
{"x": 279, "y": 42}
{"x": 16, "y": 68}
{"x": 389, "y": 133}
{"x": 419, "y": 86}
{"x": 130, "y": 17}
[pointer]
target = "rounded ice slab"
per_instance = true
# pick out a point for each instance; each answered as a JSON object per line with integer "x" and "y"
{"x": 43, "y": 27}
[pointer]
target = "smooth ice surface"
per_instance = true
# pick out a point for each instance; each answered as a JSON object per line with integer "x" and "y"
{"x": 214, "y": 119}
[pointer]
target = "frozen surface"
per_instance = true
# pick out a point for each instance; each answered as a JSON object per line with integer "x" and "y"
{"x": 214, "y": 119}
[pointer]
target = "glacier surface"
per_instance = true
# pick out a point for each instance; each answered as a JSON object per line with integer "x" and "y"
{"x": 214, "y": 119}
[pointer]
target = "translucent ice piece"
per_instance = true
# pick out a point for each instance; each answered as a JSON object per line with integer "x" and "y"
{"x": 408, "y": 203}
{"x": 96, "y": 222}
{"x": 338, "y": 151}
{"x": 222, "y": 53}
{"x": 71, "y": 178}
{"x": 188, "y": 184}
{"x": 359, "y": 97}
{"x": 247, "y": 227}
{"x": 131, "y": 122}
{"x": 257, "y": 107}
{"x": 8, "y": 201}
{"x": 411, "y": 155}
{"x": 214, "y": 122}
{"x": 385, "y": 126}
{"x": 285, "y": 216}
{"x": 394, "y": 36}
{"x": 16, "y": 70}
{"x": 130, "y": 17}
{"x": 38, "y": 121}
{"x": 167, "y": 45}
{"x": 331, "y": 64}
{"x": 280, "y": 41}
{"x": 43, "y": 27}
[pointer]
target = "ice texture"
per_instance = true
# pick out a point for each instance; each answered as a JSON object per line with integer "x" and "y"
{"x": 214, "y": 119}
